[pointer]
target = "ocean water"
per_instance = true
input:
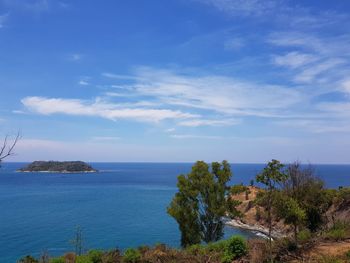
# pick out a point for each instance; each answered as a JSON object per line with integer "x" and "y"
{"x": 124, "y": 205}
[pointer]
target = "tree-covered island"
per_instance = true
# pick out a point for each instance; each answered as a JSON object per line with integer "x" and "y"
{"x": 58, "y": 167}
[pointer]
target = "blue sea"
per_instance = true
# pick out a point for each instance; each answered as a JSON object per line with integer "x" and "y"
{"x": 124, "y": 205}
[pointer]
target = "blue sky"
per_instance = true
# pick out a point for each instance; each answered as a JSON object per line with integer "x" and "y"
{"x": 176, "y": 80}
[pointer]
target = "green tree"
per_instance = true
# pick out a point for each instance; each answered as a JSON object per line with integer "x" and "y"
{"x": 202, "y": 201}
{"x": 271, "y": 176}
{"x": 309, "y": 192}
{"x": 289, "y": 209}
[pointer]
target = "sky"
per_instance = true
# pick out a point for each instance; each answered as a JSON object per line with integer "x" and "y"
{"x": 177, "y": 80}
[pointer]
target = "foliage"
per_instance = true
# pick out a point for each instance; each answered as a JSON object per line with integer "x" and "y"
{"x": 95, "y": 256}
{"x": 28, "y": 259}
{"x": 235, "y": 247}
{"x": 339, "y": 231}
{"x": 237, "y": 189}
{"x": 304, "y": 236}
{"x": 201, "y": 203}
{"x": 131, "y": 256}
{"x": 57, "y": 260}
{"x": 271, "y": 176}
{"x": 309, "y": 192}
{"x": 84, "y": 259}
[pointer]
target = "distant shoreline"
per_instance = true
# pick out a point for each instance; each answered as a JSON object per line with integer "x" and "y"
{"x": 60, "y": 172}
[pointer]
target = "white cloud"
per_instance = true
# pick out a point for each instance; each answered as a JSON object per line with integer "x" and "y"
{"x": 242, "y": 7}
{"x": 106, "y": 138}
{"x": 346, "y": 85}
{"x": 216, "y": 93}
{"x": 75, "y": 57}
{"x": 309, "y": 74}
{"x": 294, "y": 59}
{"x": 83, "y": 83}
{"x": 3, "y": 19}
{"x": 28, "y": 5}
{"x": 234, "y": 44}
{"x": 98, "y": 108}
{"x": 203, "y": 122}
{"x": 194, "y": 136}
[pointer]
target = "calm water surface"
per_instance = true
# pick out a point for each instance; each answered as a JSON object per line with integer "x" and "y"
{"x": 124, "y": 205}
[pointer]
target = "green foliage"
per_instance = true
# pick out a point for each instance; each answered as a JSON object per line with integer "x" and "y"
{"x": 339, "y": 231}
{"x": 28, "y": 259}
{"x": 57, "y": 260}
{"x": 84, "y": 259}
{"x": 347, "y": 254}
{"x": 131, "y": 256}
{"x": 201, "y": 202}
{"x": 237, "y": 189}
{"x": 196, "y": 249}
{"x": 309, "y": 193}
{"x": 235, "y": 247}
{"x": 95, "y": 256}
{"x": 304, "y": 236}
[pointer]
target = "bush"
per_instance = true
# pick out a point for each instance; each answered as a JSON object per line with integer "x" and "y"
{"x": 235, "y": 247}
{"x": 28, "y": 259}
{"x": 339, "y": 231}
{"x": 196, "y": 249}
{"x": 95, "y": 256}
{"x": 84, "y": 259}
{"x": 57, "y": 260}
{"x": 304, "y": 236}
{"x": 131, "y": 256}
{"x": 347, "y": 254}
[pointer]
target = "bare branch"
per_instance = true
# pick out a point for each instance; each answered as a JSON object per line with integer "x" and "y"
{"x": 6, "y": 153}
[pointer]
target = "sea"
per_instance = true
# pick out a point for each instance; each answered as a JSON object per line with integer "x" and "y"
{"x": 123, "y": 205}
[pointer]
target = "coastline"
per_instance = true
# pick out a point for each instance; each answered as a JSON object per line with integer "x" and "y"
{"x": 258, "y": 229}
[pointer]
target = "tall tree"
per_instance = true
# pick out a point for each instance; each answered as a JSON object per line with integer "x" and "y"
{"x": 271, "y": 176}
{"x": 309, "y": 192}
{"x": 202, "y": 201}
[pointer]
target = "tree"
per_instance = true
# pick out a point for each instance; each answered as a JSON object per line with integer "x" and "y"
{"x": 290, "y": 210}
{"x": 271, "y": 176}
{"x": 309, "y": 192}
{"x": 7, "y": 148}
{"x": 202, "y": 201}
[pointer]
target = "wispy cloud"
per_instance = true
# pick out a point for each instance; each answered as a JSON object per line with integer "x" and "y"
{"x": 216, "y": 93}
{"x": 106, "y": 138}
{"x": 3, "y": 19}
{"x": 194, "y": 136}
{"x": 75, "y": 57}
{"x": 204, "y": 122}
{"x": 98, "y": 108}
{"x": 28, "y": 5}
{"x": 242, "y": 7}
{"x": 293, "y": 59}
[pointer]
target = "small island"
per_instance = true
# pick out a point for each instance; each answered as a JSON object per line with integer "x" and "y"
{"x": 58, "y": 167}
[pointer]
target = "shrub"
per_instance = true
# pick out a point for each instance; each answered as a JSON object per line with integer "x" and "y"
{"x": 95, "y": 256}
{"x": 57, "y": 260}
{"x": 196, "y": 249}
{"x": 347, "y": 254}
{"x": 304, "y": 236}
{"x": 84, "y": 259}
{"x": 218, "y": 246}
{"x": 28, "y": 259}
{"x": 112, "y": 256}
{"x": 339, "y": 231}
{"x": 131, "y": 256}
{"x": 235, "y": 247}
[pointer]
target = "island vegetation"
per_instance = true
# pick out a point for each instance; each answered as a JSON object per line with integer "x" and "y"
{"x": 58, "y": 167}
{"x": 301, "y": 219}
